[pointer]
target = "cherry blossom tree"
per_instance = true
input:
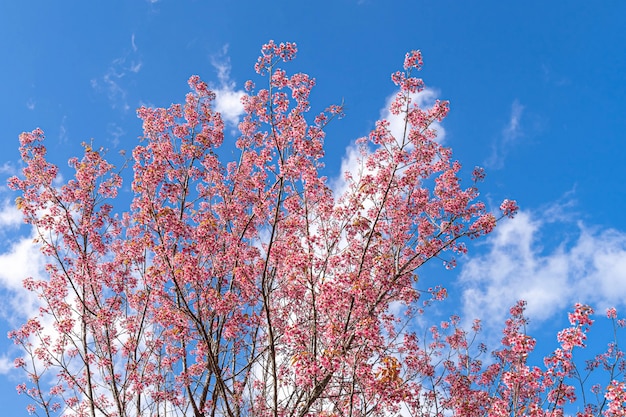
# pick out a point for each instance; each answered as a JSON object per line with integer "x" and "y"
{"x": 249, "y": 287}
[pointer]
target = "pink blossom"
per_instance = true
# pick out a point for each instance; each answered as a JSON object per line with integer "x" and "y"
{"x": 240, "y": 282}
{"x": 611, "y": 313}
{"x": 509, "y": 208}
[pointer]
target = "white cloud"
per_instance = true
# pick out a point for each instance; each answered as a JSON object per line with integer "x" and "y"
{"x": 10, "y": 216}
{"x": 352, "y": 161}
{"x": 424, "y": 99}
{"x": 228, "y": 98}
{"x": 588, "y": 268}
{"x": 6, "y": 364}
{"x": 22, "y": 260}
{"x": 8, "y": 168}
{"x": 221, "y": 63}
{"x": 510, "y": 133}
{"x": 228, "y": 103}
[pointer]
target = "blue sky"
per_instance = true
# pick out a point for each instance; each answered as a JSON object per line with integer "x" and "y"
{"x": 537, "y": 93}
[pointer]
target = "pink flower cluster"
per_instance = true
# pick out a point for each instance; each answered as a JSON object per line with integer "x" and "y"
{"x": 252, "y": 287}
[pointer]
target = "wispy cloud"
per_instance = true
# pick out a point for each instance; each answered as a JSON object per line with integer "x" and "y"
{"x": 115, "y": 132}
{"x": 554, "y": 78}
{"x": 113, "y": 82}
{"x": 588, "y": 266}
{"x": 135, "y": 67}
{"x": 63, "y": 136}
{"x": 228, "y": 97}
{"x": 8, "y": 168}
{"x": 507, "y": 139}
{"x": 132, "y": 42}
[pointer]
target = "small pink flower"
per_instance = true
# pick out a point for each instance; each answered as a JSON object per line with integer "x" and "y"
{"x": 413, "y": 59}
{"x": 478, "y": 174}
{"x": 611, "y": 313}
{"x": 509, "y": 208}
